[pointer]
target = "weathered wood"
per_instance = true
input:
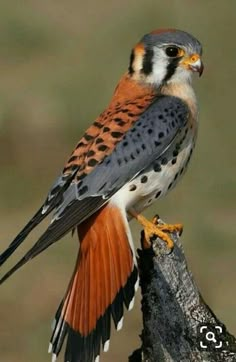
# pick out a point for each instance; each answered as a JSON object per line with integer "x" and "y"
{"x": 174, "y": 311}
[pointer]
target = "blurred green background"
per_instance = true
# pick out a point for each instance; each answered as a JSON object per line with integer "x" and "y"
{"x": 59, "y": 63}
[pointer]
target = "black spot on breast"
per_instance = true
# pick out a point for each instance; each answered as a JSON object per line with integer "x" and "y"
{"x": 161, "y": 134}
{"x": 102, "y": 148}
{"x": 157, "y": 167}
{"x": 92, "y": 162}
{"x": 164, "y": 161}
{"x": 116, "y": 134}
{"x": 175, "y": 153}
{"x": 160, "y": 116}
{"x": 174, "y": 161}
{"x": 99, "y": 140}
{"x": 125, "y": 144}
{"x": 144, "y": 179}
{"x": 119, "y": 161}
{"x": 143, "y": 146}
{"x": 157, "y": 194}
{"x": 137, "y": 151}
{"x": 132, "y": 187}
{"x": 150, "y": 131}
{"x": 83, "y": 189}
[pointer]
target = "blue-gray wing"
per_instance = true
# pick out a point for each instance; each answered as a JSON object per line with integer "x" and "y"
{"x": 147, "y": 140}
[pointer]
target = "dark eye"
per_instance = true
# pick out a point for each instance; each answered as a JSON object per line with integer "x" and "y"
{"x": 173, "y": 51}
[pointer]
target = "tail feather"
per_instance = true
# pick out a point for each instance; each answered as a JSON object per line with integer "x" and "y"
{"x": 103, "y": 282}
{"x": 36, "y": 219}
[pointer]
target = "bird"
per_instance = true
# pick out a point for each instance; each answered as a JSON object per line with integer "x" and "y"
{"x": 133, "y": 154}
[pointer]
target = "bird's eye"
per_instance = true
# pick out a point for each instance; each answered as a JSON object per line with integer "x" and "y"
{"x": 173, "y": 51}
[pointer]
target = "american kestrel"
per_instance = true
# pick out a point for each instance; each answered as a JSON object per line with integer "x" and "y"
{"x": 132, "y": 155}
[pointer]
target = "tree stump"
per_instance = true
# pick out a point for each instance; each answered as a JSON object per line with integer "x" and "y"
{"x": 178, "y": 326}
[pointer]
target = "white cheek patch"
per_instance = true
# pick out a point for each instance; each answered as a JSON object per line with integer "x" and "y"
{"x": 159, "y": 67}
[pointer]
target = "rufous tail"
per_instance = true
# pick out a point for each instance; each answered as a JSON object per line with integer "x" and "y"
{"x": 104, "y": 281}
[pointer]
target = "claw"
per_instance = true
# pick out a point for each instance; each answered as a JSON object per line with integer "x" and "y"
{"x": 153, "y": 228}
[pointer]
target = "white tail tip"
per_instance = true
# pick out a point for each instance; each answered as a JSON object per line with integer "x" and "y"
{"x": 54, "y": 357}
{"x": 131, "y": 304}
{"x": 106, "y": 346}
{"x": 120, "y": 324}
{"x": 50, "y": 348}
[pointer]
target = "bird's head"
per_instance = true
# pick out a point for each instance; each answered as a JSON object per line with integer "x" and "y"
{"x": 164, "y": 56}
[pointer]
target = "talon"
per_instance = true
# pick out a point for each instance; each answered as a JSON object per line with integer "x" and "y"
{"x": 152, "y": 228}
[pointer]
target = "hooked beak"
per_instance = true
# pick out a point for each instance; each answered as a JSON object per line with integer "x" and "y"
{"x": 194, "y": 63}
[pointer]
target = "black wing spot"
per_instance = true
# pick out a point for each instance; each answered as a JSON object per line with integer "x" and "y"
{"x": 97, "y": 124}
{"x": 80, "y": 144}
{"x": 92, "y": 162}
{"x": 90, "y": 153}
{"x": 150, "y": 131}
{"x": 88, "y": 137}
{"x": 161, "y": 134}
{"x": 102, "y": 148}
{"x": 157, "y": 143}
{"x": 116, "y": 134}
{"x": 72, "y": 158}
{"x": 83, "y": 190}
{"x": 174, "y": 161}
{"x": 119, "y": 121}
{"x": 99, "y": 140}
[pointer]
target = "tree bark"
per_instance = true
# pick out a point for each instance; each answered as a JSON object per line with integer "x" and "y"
{"x": 177, "y": 324}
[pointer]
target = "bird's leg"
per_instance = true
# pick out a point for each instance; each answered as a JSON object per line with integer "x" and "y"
{"x": 152, "y": 228}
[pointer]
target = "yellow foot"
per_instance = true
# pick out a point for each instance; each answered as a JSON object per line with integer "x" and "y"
{"x": 153, "y": 228}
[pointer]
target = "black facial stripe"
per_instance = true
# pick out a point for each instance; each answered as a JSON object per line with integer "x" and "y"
{"x": 131, "y": 69}
{"x": 171, "y": 67}
{"x": 148, "y": 61}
